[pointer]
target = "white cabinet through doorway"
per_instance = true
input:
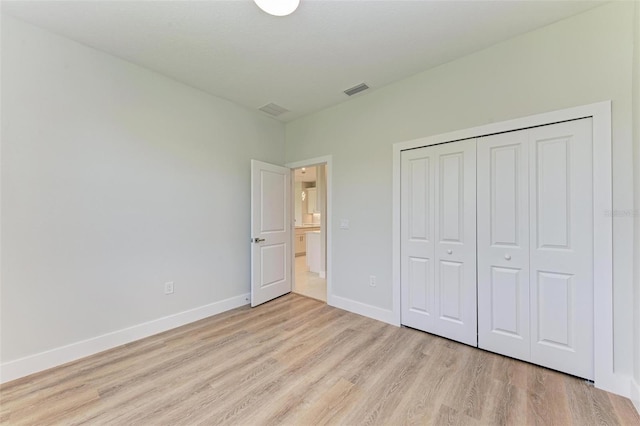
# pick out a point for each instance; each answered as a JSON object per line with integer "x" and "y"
{"x": 312, "y": 200}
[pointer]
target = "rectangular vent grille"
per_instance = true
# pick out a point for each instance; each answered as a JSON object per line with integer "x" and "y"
{"x": 273, "y": 109}
{"x": 356, "y": 89}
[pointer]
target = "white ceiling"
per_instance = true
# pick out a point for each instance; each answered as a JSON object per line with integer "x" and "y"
{"x": 306, "y": 175}
{"x": 302, "y": 62}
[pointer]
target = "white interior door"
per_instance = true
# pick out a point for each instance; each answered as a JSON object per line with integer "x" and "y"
{"x": 438, "y": 226}
{"x": 561, "y": 246}
{"x": 270, "y": 232}
{"x": 503, "y": 244}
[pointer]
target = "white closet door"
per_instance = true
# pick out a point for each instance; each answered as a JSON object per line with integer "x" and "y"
{"x": 438, "y": 228}
{"x": 455, "y": 248}
{"x": 561, "y": 251}
{"x": 503, "y": 244}
{"x": 417, "y": 237}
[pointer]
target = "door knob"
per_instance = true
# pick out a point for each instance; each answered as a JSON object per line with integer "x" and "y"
{"x": 507, "y": 256}
{"x": 258, "y": 240}
{"x": 449, "y": 251}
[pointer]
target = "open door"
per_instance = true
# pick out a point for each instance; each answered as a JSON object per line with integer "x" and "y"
{"x": 270, "y": 232}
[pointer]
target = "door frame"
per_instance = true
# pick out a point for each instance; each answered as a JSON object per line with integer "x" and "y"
{"x": 316, "y": 161}
{"x": 604, "y": 375}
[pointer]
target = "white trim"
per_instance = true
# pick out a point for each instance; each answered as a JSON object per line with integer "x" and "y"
{"x": 635, "y": 394}
{"x": 54, "y": 357}
{"x": 363, "y": 309}
{"x": 603, "y": 249}
{"x": 590, "y": 110}
{"x": 605, "y": 378}
{"x": 615, "y": 383}
{"x": 395, "y": 243}
{"x": 328, "y": 160}
{"x": 310, "y": 162}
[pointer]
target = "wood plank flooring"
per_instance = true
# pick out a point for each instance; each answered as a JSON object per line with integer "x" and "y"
{"x": 297, "y": 361}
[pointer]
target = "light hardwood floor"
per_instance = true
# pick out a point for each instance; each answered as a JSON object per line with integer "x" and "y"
{"x": 298, "y": 361}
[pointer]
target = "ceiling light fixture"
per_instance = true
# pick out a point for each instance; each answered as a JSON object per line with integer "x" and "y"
{"x": 278, "y": 7}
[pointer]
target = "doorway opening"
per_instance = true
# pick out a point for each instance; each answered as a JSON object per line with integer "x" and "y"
{"x": 310, "y": 219}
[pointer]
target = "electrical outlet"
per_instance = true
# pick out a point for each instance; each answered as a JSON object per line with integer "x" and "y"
{"x": 372, "y": 280}
{"x": 168, "y": 287}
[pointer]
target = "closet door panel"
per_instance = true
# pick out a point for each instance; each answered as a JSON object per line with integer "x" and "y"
{"x": 505, "y": 295}
{"x": 503, "y": 244}
{"x": 451, "y": 289}
{"x": 420, "y": 286}
{"x": 561, "y": 234}
{"x": 455, "y": 247}
{"x": 417, "y": 246}
{"x": 451, "y": 196}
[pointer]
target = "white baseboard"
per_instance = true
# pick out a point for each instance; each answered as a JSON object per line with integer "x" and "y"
{"x": 323, "y": 274}
{"x": 363, "y": 309}
{"x": 635, "y": 394}
{"x": 614, "y": 383}
{"x": 54, "y": 357}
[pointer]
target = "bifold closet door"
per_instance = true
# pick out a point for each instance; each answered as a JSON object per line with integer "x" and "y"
{"x": 438, "y": 240}
{"x": 535, "y": 245}
{"x": 503, "y": 244}
{"x": 561, "y": 246}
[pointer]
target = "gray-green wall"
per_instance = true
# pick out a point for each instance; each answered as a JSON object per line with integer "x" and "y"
{"x": 581, "y": 60}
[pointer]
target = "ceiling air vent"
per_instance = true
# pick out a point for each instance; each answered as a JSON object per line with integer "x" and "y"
{"x": 273, "y": 109}
{"x": 356, "y": 89}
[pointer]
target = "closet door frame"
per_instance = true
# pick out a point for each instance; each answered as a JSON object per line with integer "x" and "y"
{"x": 604, "y": 376}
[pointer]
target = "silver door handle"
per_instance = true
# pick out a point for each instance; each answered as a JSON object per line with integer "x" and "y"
{"x": 258, "y": 240}
{"x": 507, "y": 256}
{"x": 449, "y": 251}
